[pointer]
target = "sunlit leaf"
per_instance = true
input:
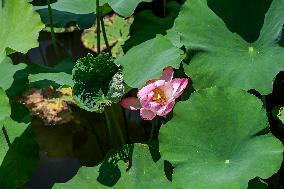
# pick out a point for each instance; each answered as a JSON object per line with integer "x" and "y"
{"x": 147, "y": 61}
{"x": 5, "y": 109}
{"x": 225, "y": 59}
{"x": 20, "y": 26}
{"x": 122, "y": 7}
{"x": 213, "y": 141}
{"x": 117, "y": 30}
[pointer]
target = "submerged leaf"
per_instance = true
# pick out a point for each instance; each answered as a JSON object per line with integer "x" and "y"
{"x": 213, "y": 141}
{"x": 117, "y": 30}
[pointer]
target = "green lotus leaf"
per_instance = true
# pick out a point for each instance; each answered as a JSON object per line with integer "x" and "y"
{"x": 73, "y": 6}
{"x": 60, "y": 78}
{"x": 94, "y": 78}
{"x": 213, "y": 141}
{"x": 225, "y": 58}
{"x": 8, "y": 71}
{"x": 244, "y": 17}
{"x": 5, "y": 109}
{"x": 19, "y": 155}
{"x": 58, "y": 75}
{"x": 131, "y": 168}
{"x": 147, "y": 61}
{"x": 117, "y": 30}
{"x": 257, "y": 183}
{"x": 19, "y": 32}
{"x": 146, "y": 25}
{"x": 63, "y": 19}
{"x": 122, "y": 7}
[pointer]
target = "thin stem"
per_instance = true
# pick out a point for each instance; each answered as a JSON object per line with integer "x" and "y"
{"x": 105, "y": 36}
{"x": 42, "y": 55}
{"x": 9, "y": 143}
{"x": 6, "y": 136}
{"x": 152, "y": 132}
{"x": 126, "y": 118}
{"x": 98, "y": 26}
{"x": 263, "y": 101}
{"x": 93, "y": 131}
{"x": 3, "y": 3}
{"x": 164, "y": 7}
{"x": 117, "y": 127}
{"x": 53, "y": 38}
{"x": 108, "y": 127}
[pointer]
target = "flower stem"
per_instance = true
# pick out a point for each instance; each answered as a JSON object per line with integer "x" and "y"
{"x": 152, "y": 132}
{"x": 108, "y": 127}
{"x": 117, "y": 127}
{"x": 53, "y": 38}
{"x": 6, "y": 136}
{"x": 98, "y": 26}
{"x": 93, "y": 131}
{"x": 164, "y": 8}
{"x": 105, "y": 36}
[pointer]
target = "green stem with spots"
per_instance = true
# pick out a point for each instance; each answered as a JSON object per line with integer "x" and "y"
{"x": 98, "y": 26}
{"x": 105, "y": 36}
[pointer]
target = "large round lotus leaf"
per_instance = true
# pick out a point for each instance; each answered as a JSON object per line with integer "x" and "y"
{"x": 19, "y": 25}
{"x": 225, "y": 59}
{"x": 138, "y": 172}
{"x": 147, "y": 61}
{"x": 213, "y": 141}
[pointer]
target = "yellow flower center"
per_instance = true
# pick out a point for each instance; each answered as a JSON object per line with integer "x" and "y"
{"x": 159, "y": 96}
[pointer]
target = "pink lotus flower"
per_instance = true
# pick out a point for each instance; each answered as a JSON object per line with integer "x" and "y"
{"x": 158, "y": 96}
